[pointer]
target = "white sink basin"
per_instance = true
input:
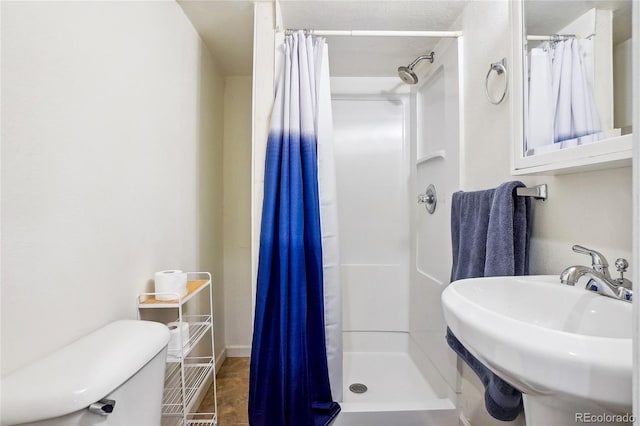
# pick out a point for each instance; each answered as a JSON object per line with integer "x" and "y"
{"x": 548, "y": 339}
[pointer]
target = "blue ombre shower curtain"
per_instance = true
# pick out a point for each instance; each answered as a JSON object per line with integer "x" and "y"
{"x": 289, "y": 382}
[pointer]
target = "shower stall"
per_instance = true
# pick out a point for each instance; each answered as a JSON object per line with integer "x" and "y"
{"x": 391, "y": 141}
{"x": 392, "y": 138}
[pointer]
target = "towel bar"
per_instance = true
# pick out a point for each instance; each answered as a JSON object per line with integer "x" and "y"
{"x": 539, "y": 192}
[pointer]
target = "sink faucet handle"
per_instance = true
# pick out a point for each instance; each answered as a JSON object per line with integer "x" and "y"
{"x": 598, "y": 261}
{"x": 625, "y": 294}
{"x": 621, "y": 265}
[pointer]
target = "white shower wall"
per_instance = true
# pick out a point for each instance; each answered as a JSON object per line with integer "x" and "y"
{"x": 391, "y": 141}
{"x": 437, "y": 117}
{"x": 377, "y": 124}
{"x": 372, "y": 172}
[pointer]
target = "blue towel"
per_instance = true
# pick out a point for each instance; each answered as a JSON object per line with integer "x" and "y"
{"x": 508, "y": 232}
{"x": 490, "y": 232}
{"x": 502, "y": 400}
{"x": 490, "y": 237}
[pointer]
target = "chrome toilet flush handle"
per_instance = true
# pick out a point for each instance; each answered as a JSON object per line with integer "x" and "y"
{"x": 429, "y": 199}
{"x": 104, "y": 407}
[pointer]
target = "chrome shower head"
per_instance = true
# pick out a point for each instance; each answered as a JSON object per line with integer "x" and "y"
{"x": 407, "y": 75}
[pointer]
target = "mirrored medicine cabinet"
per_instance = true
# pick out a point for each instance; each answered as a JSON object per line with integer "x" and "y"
{"x": 572, "y": 94}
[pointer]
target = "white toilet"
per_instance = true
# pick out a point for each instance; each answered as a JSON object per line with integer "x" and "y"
{"x": 123, "y": 361}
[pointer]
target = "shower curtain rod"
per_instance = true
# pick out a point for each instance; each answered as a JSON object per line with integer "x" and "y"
{"x": 554, "y": 37}
{"x": 369, "y": 33}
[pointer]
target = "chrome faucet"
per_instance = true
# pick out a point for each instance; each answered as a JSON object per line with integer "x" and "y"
{"x": 597, "y": 278}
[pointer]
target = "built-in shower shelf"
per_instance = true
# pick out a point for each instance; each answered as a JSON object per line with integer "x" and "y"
{"x": 441, "y": 153}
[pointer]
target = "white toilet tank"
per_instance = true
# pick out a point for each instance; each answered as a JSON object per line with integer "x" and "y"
{"x": 123, "y": 361}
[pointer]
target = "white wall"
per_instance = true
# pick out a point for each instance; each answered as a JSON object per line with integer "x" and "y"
{"x": 237, "y": 215}
{"x": 592, "y": 209}
{"x": 571, "y": 208}
{"x": 263, "y": 90}
{"x": 371, "y": 163}
{"x": 435, "y": 161}
{"x": 111, "y": 165}
{"x": 622, "y": 80}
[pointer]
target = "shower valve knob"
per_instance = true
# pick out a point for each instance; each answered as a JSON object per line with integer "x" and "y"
{"x": 429, "y": 199}
{"x": 425, "y": 198}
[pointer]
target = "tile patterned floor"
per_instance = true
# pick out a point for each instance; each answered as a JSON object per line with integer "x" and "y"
{"x": 233, "y": 393}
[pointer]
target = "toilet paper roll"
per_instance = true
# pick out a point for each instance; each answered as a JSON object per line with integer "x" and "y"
{"x": 171, "y": 281}
{"x": 178, "y": 335}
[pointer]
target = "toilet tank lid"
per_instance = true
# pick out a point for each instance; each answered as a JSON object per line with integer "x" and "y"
{"x": 82, "y": 372}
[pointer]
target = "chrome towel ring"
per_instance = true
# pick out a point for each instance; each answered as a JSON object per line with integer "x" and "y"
{"x": 500, "y": 68}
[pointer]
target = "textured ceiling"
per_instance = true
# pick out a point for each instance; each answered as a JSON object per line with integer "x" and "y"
{"x": 372, "y": 56}
{"x": 370, "y": 15}
{"x": 226, "y": 26}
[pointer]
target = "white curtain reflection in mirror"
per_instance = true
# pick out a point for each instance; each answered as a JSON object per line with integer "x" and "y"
{"x": 561, "y": 103}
